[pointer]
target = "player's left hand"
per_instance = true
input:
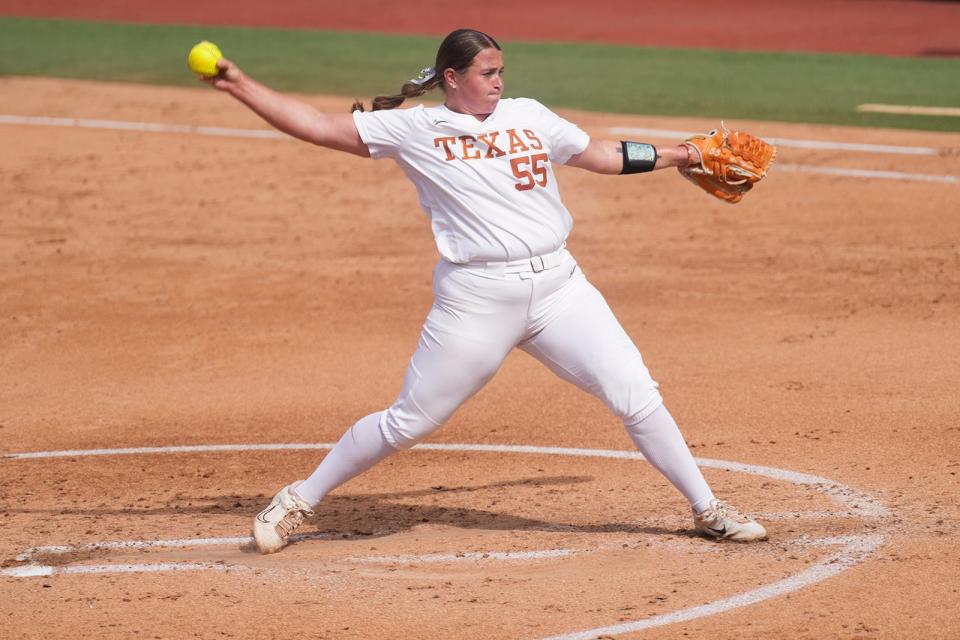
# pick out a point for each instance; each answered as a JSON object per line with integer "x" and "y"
{"x": 727, "y": 164}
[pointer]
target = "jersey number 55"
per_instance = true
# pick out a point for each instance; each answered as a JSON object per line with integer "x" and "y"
{"x": 535, "y": 175}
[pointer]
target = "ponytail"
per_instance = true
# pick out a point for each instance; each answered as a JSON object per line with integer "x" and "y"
{"x": 427, "y": 80}
{"x": 456, "y": 52}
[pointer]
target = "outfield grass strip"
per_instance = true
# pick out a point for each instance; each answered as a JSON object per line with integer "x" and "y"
{"x": 774, "y": 86}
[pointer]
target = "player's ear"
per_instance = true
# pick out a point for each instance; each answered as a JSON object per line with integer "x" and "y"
{"x": 450, "y": 77}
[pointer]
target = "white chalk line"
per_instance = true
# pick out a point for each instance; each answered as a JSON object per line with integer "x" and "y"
{"x": 868, "y": 173}
{"x": 473, "y": 556}
{"x": 35, "y": 570}
{"x": 852, "y": 499}
{"x": 911, "y": 110}
{"x": 122, "y": 545}
{"x": 155, "y": 127}
{"x": 823, "y": 145}
{"x": 856, "y": 548}
{"x": 805, "y": 515}
{"x": 59, "y": 549}
{"x": 826, "y": 541}
{"x": 30, "y": 554}
{"x": 181, "y": 543}
{"x": 148, "y": 127}
{"x": 204, "y": 448}
{"x": 854, "y": 553}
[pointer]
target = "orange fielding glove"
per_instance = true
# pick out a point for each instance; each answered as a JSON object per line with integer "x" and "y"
{"x": 730, "y": 162}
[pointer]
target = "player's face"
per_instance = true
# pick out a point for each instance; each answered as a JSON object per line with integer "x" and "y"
{"x": 477, "y": 90}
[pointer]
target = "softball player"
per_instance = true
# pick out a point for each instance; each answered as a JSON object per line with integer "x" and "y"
{"x": 483, "y": 169}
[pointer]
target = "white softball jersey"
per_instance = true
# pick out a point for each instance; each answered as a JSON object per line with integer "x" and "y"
{"x": 488, "y": 187}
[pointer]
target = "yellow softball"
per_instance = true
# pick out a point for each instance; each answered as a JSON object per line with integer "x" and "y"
{"x": 203, "y": 59}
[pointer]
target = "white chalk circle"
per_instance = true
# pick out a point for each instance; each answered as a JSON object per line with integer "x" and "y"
{"x": 853, "y": 550}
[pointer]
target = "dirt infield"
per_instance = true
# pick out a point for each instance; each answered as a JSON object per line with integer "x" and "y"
{"x": 888, "y": 27}
{"x": 164, "y": 289}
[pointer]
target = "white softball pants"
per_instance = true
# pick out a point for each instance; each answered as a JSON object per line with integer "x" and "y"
{"x": 479, "y": 315}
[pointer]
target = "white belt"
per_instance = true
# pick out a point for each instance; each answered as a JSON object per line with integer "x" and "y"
{"x": 535, "y": 264}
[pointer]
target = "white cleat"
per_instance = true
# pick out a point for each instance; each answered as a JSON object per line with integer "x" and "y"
{"x": 272, "y": 526}
{"x": 722, "y": 521}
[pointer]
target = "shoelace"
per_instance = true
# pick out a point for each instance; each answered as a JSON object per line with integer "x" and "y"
{"x": 724, "y": 510}
{"x": 293, "y": 517}
{"x": 721, "y": 509}
{"x": 289, "y": 523}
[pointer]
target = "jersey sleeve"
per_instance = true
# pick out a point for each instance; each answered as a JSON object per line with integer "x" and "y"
{"x": 566, "y": 138}
{"x": 384, "y": 131}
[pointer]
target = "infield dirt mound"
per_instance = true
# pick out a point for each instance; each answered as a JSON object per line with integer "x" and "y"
{"x": 163, "y": 289}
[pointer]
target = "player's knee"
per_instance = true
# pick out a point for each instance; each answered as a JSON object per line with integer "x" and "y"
{"x": 630, "y": 392}
{"x": 403, "y": 428}
{"x": 646, "y": 403}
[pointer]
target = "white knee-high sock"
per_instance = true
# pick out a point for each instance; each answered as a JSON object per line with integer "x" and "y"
{"x": 361, "y": 447}
{"x": 659, "y": 440}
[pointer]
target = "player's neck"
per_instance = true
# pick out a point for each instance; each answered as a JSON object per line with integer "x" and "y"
{"x": 457, "y": 108}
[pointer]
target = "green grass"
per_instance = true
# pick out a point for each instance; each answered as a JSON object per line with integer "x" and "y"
{"x": 793, "y": 87}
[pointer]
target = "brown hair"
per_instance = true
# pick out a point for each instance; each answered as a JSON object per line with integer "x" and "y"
{"x": 456, "y": 52}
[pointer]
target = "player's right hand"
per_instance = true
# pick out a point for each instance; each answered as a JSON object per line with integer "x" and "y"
{"x": 227, "y": 78}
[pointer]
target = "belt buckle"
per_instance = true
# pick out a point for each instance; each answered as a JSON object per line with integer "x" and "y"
{"x": 536, "y": 262}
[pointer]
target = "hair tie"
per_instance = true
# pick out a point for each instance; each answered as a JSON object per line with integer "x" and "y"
{"x": 426, "y": 75}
